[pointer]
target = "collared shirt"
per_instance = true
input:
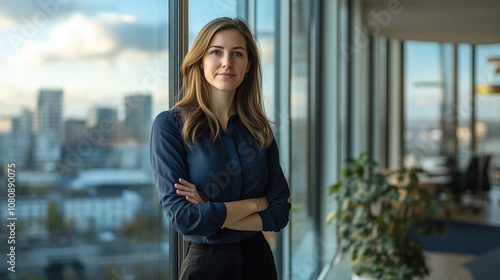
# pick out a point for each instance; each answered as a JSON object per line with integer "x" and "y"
{"x": 234, "y": 167}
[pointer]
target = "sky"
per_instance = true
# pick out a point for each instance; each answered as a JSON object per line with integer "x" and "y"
{"x": 422, "y": 64}
{"x": 95, "y": 51}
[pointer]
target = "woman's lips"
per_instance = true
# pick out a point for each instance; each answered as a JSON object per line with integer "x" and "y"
{"x": 227, "y": 75}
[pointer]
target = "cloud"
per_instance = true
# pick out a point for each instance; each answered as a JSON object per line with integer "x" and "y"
{"x": 78, "y": 37}
{"x": 15, "y": 13}
{"x": 141, "y": 37}
{"x": 83, "y": 37}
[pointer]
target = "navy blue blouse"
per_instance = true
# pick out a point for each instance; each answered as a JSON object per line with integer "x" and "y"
{"x": 234, "y": 167}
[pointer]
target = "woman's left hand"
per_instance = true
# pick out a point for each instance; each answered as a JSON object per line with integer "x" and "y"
{"x": 187, "y": 189}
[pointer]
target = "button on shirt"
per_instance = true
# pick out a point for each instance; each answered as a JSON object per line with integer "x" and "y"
{"x": 234, "y": 167}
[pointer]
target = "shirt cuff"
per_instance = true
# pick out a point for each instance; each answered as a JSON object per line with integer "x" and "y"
{"x": 220, "y": 213}
{"x": 267, "y": 221}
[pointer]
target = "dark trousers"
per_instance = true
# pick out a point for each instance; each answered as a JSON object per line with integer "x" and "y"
{"x": 250, "y": 259}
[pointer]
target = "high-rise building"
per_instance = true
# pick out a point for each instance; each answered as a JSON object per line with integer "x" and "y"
{"x": 73, "y": 131}
{"x": 24, "y": 123}
{"x": 98, "y": 115}
{"x": 49, "y": 117}
{"x": 138, "y": 110}
{"x": 104, "y": 120}
{"x": 48, "y": 127}
{"x": 14, "y": 142}
{"x": 22, "y": 135}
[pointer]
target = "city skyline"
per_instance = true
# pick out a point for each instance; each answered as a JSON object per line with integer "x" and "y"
{"x": 41, "y": 138}
{"x": 119, "y": 106}
{"x": 95, "y": 51}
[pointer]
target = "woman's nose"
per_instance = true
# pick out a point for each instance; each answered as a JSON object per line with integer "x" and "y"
{"x": 226, "y": 61}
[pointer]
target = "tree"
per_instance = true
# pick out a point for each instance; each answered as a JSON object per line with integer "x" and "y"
{"x": 55, "y": 219}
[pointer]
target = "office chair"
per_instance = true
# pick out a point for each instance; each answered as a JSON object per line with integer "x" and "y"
{"x": 477, "y": 183}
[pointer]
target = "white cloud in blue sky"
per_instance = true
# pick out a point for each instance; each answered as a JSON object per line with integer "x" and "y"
{"x": 96, "y": 51}
{"x": 83, "y": 37}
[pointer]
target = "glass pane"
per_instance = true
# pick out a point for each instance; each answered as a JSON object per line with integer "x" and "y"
{"x": 266, "y": 34}
{"x": 423, "y": 133}
{"x": 488, "y": 115}
{"x": 447, "y": 120}
{"x": 81, "y": 81}
{"x": 464, "y": 110}
{"x": 201, "y": 12}
{"x": 303, "y": 240}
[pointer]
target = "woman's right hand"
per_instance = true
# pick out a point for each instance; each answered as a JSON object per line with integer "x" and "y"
{"x": 188, "y": 189}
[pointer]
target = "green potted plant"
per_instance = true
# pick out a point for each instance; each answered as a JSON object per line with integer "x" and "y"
{"x": 375, "y": 215}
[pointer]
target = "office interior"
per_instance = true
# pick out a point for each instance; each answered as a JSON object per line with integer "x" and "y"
{"x": 398, "y": 79}
{"x": 408, "y": 82}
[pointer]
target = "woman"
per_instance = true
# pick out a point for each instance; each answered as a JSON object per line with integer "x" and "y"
{"x": 216, "y": 162}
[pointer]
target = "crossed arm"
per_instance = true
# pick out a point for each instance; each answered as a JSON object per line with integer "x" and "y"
{"x": 241, "y": 214}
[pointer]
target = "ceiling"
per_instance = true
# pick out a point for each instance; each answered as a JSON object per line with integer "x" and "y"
{"x": 454, "y": 21}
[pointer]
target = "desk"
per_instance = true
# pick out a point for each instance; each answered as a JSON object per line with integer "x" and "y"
{"x": 433, "y": 182}
{"x": 438, "y": 171}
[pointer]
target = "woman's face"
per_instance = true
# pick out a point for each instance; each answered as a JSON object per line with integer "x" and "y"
{"x": 226, "y": 61}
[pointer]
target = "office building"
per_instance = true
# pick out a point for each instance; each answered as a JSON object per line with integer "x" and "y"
{"x": 73, "y": 129}
{"x": 49, "y": 114}
{"x": 103, "y": 120}
{"x": 138, "y": 116}
{"x": 24, "y": 123}
{"x": 49, "y": 133}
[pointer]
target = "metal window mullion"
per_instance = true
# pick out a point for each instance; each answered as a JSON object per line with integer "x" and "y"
{"x": 473, "y": 102}
{"x": 251, "y": 13}
{"x": 344, "y": 85}
{"x": 178, "y": 46}
{"x": 455, "y": 106}
{"x": 283, "y": 122}
{"x": 242, "y": 9}
{"x": 371, "y": 96}
{"x": 386, "y": 109}
{"x": 402, "y": 116}
{"x": 348, "y": 94}
{"x": 315, "y": 113}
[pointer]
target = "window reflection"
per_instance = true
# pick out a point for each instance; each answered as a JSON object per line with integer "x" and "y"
{"x": 81, "y": 82}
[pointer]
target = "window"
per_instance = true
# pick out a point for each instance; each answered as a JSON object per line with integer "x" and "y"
{"x": 303, "y": 238}
{"x": 488, "y": 116}
{"x": 424, "y": 99}
{"x": 81, "y": 82}
{"x": 487, "y": 126}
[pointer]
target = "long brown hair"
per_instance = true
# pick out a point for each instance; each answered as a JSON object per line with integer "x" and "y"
{"x": 195, "y": 90}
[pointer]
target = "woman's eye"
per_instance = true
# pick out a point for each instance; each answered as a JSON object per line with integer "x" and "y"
{"x": 216, "y": 52}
